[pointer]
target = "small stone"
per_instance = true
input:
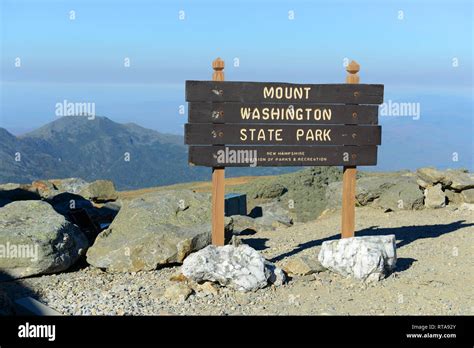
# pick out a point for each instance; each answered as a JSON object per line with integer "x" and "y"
{"x": 178, "y": 292}
{"x": 178, "y": 277}
{"x": 235, "y": 241}
{"x": 308, "y": 277}
{"x": 207, "y": 288}
{"x": 274, "y": 274}
{"x": 302, "y": 266}
{"x": 156, "y": 294}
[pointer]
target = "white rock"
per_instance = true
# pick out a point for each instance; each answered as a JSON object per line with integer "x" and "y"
{"x": 241, "y": 268}
{"x": 366, "y": 258}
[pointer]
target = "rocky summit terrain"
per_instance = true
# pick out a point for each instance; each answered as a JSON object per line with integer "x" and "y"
{"x": 91, "y": 250}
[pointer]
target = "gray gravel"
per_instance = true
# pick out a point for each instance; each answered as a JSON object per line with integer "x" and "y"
{"x": 433, "y": 276}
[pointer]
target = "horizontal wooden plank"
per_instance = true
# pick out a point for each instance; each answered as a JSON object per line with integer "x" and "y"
{"x": 249, "y": 134}
{"x": 275, "y": 156}
{"x": 275, "y": 92}
{"x": 285, "y": 113}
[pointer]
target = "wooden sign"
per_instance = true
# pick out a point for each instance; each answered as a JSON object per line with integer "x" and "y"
{"x": 237, "y": 124}
{"x": 280, "y": 156}
{"x": 211, "y": 91}
{"x": 249, "y": 134}
{"x": 275, "y": 113}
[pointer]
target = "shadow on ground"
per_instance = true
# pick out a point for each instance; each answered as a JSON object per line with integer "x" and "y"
{"x": 403, "y": 234}
{"x": 403, "y": 263}
{"x": 256, "y": 243}
{"x": 11, "y": 290}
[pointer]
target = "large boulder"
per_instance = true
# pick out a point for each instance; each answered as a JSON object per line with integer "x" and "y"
{"x": 34, "y": 239}
{"x": 389, "y": 191}
{"x": 99, "y": 191}
{"x": 243, "y": 224}
{"x": 4, "y": 201}
{"x": 453, "y": 197}
{"x": 333, "y": 194}
{"x": 264, "y": 217}
{"x": 71, "y": 185}
{"x": 432, "y": 176}
{"x": 154, "y": 229}
{"x": 404, "y": 194}
{"x": 267, "y": 189}
{"x": 49, "y": 189}
{"x": 367, "y": 258}
{"x": 241, "y": 268}
{"x": 301, "y": 191}
{"x": 17, "y": 192}
{"x": 44, "y": 189}
{"x": 370, "y": 188}
{"x": 460, "y": 179}
{"x": 435, "y": 197}
{"x": 273, "y": 215}
{"x": 467, "y": 196}
{"x": 456, "y": 179}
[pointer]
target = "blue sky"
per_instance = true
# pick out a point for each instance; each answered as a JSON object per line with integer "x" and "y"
{"x": 411, "y": 52}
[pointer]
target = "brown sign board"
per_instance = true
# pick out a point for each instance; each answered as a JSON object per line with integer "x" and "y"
{"x": 251, "y": 134}
{"x": 274, "y": 113}
{"x": 275, "y": 92}
{"x": 236, "y": 124}
{"x": 275, "y": 156}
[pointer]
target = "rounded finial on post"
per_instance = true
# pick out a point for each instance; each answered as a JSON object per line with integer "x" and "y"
{"x": 218, "y": 66}
{"x": 352, "y": 68}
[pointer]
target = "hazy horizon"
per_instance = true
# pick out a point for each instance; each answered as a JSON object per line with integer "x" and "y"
{"x": 421, "y": 51}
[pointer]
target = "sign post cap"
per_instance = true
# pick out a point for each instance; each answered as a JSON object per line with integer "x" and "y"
{"x": 353, "y": 67}
{"x": 218, "y": 64}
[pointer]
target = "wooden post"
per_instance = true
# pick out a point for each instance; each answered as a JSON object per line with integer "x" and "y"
{"x": 349, "y": 174}
{"x": 218, "y": 175}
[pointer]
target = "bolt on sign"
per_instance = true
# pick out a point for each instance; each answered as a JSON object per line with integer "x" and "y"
{"x": 237, "y": 124}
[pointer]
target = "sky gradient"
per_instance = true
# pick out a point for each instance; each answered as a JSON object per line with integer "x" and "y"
{"x": 420, "y": 50}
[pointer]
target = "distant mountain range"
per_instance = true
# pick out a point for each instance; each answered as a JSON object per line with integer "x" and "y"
{"x": 130, "y": 155}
